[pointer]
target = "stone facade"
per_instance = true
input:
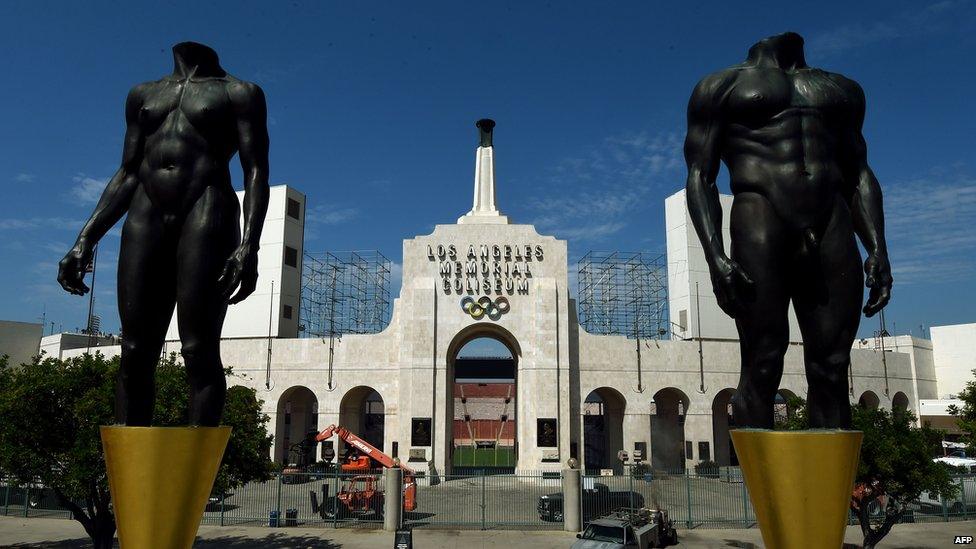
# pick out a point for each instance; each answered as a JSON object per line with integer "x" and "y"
{"x": 487, "y": 277}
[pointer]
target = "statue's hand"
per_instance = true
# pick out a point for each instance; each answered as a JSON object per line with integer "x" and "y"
{"x": 241, "y": 269}
{"x": 71, "y": 269}
{"x": 878, "y": 279}
{"x": 731, "y": 285}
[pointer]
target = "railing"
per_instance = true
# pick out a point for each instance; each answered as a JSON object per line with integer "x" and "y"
{"x": 485, "y": 501}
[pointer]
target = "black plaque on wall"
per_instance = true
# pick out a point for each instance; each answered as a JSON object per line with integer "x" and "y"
{"x": 420, "y": 431}
{"x": 546, "y": 432}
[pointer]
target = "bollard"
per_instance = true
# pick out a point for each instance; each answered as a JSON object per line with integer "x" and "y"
{"x": 571, "y": 500}
{"x": 393, "y": 499}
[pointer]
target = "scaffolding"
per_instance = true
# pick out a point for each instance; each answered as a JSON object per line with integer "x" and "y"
{"x": 345, "y": 293}
{"x": 624, "y": 293}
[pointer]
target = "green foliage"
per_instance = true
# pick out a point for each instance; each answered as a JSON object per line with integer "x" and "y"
{"x": 896, "y": 463}
{"x": 796, "y": 415}
{"x": 708, "y": 469}
{"x": 52, "y": 410}
{"x": 966, "y": 416}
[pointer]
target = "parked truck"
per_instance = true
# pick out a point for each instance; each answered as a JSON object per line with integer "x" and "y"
{"x": 596, "y": 502}
{"x": 629, "y": 529}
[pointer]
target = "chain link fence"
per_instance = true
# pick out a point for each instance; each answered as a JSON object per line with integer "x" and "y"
{"x": 486, "y": 501}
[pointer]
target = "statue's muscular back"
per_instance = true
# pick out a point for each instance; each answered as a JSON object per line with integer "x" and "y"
{"x": 787, "y": 134}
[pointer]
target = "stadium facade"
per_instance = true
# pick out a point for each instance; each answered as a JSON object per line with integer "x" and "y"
{"x": 572, "y": 394}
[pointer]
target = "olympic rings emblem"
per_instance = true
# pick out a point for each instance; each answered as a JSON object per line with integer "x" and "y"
{"x": 484, "y": 306}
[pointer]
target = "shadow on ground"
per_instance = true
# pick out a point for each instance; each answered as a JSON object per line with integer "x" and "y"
{"x": 271, "y": 541}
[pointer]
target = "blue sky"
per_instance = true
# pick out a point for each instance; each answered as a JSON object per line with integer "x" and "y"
{"x": 372, "y": 105}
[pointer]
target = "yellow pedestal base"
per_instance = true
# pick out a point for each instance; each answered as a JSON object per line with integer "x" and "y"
{"x": 160, "y": 479}
{"x": 800, "y": 484}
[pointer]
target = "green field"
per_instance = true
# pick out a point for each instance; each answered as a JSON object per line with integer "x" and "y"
{"x": 470, "y": 456}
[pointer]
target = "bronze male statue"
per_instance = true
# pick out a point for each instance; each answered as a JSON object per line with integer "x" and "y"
{"x": 791, "y": 138}
{"x": 181, "y": 242}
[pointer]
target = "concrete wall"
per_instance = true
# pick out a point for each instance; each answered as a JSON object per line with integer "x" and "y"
{"x": 251, "y": 318}
{"x": 19, "y": 340}
{"x": 954, "y": 352}
{"x": 55, "y": 345}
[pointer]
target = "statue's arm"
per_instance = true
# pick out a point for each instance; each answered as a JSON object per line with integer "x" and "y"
{"x": 702, "y": 156}
{"x": 253, "y": 143}
{"x": 117, "y": 195}
{"x": 867, "y": 212}
{"x": 112, "y": 205}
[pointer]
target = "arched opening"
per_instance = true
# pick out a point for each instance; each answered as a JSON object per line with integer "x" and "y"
{"x": 722, "y": 422}
{"x": 784, "y": 408}
{"x": 869, "y": 400}
{"x": 361, "y": 410}
{"x": 900, "y": 401}
{"x": 297, "y": 418}
{"x": 668, "y": 410}
{"x": 603, "y": 429}
{"x": 483, "y": 401}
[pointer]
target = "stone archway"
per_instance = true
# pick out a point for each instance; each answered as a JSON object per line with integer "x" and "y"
{"x": 723, "y": 452}
{"x": 362, "y": 411}
{"x": 492, "y": 417}
{"x": 297, "y": 416}
{"x": 603, "y": 429}
{"x": 869, "y": 399}
{"x": 670, "y": 406}
{"x": 900, "y": 401}
{"x": 783, "y": 407}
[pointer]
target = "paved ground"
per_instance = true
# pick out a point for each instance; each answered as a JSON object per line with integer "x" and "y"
{"x": 495, "y": 502}
{"x": 47, "y": 533}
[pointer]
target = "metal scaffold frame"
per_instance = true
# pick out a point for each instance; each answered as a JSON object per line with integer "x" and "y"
{"x": 345, "y": 293}
{"x": 624, "y": 293}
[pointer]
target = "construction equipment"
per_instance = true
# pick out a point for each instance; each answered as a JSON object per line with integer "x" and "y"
{"x": 359, "y": 495}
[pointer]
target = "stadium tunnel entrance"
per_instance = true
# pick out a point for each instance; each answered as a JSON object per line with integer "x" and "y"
{"x": 483, "y": 403}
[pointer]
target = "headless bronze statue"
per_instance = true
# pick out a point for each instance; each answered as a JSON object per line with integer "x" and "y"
{"x": 791, "y": 138}
{"x": 181, "y": 241}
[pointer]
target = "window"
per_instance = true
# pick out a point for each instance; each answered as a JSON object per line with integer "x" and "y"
{"x": 689, "y": 450}
{"x": 286, "y": 312}
{"x": 293, "y": 209}
{"x": 683, "y": 319}
{"x": 704, "y": 453}
{"x": 291, "y": 256}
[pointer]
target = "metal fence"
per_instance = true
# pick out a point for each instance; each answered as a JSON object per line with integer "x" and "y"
{"x": 487, "y": 501}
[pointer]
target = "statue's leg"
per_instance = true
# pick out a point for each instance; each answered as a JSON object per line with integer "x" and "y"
{"x": 760, "y": 245}
{"x": 147, "y": 293}
{"x": 827, "y": 299}
{"x": 210, "y": 235}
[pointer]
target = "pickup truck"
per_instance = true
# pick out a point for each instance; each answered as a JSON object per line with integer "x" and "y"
{"x": 629, "y": 529}
{"x": 596, "y": 502}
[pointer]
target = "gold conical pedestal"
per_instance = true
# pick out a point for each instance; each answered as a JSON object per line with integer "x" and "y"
{"x": 160, "y": 479}
{"x": 800, "y": 484}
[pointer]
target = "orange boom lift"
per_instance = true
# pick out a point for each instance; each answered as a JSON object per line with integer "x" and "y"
{"x": 359, "y": 494}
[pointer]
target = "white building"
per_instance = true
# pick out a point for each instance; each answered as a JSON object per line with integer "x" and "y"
{"x": 954, "y": 352}
{"x": 600, "y": 393}
{"x": 19, "y": 340}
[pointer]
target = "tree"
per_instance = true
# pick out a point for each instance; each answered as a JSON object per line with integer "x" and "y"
{"x": 966, "y": 416}
{"x": 896, "y": 465}
{"x": 52, "y": 410}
